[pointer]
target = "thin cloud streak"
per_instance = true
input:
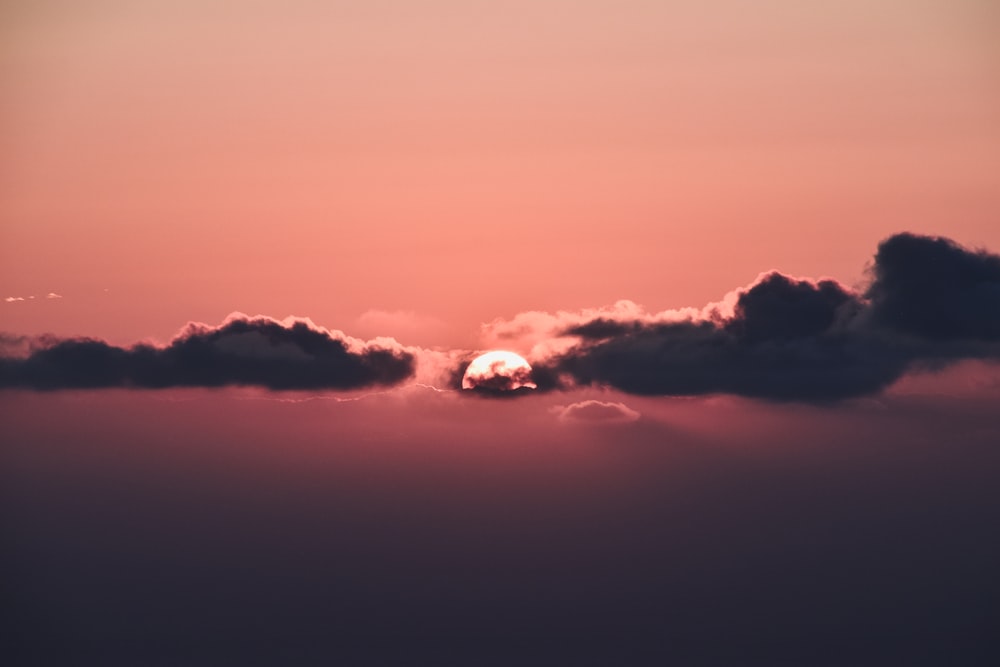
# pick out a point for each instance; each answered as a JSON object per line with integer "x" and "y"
{"x": 596, "y": 412}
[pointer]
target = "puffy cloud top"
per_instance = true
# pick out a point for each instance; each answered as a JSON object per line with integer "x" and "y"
{"x": 933, "y": 288}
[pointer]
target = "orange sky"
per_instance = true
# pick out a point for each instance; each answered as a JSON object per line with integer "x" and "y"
{"x": 417, "y": 168}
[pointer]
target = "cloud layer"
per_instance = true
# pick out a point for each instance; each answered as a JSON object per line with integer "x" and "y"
{"x": 294, "y": 354}
{"x": 930, "y": 302}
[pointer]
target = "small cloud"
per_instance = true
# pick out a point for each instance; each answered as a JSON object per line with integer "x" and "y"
{"x": 14, "y": 299}
{"x": 596, "y": 412}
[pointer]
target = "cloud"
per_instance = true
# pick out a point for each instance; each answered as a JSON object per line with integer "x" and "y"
{"x": 931, "y": 302}
{"x": 540, "y": 334}
{"x": 258, "y": 351}
{"x": 14, "y": 299}
{"x": 596, "y": 412}
{"x": 933, "y": 288}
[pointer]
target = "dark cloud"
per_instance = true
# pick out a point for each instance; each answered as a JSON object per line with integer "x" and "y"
{"x": 933, "y": 288}
{"x": 604, "y": 327}
{"x": 781, "y": 308}
{"x": 703, "y": 358}
{"x": 930, "y": 302}
{"x": 242, "y": 351}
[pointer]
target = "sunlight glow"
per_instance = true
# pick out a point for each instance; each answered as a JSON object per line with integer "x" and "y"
{"x": 498, "y": 370}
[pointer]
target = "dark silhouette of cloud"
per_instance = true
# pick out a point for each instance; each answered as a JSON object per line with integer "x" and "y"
{"x": 777, "y": 307}
{"x": 703, "y": 358}
{"x": 242, "y": 351}
{"x": 933, "y": 288}
{"x": 603, "y": 327}
{"x": 930, "y": 302}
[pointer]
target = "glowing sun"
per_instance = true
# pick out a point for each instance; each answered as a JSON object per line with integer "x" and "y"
{"x": 498, "y": 371}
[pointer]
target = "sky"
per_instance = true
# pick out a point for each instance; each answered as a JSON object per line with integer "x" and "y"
{"x": 465, "y": 161}
{"x": 751, "y": 251}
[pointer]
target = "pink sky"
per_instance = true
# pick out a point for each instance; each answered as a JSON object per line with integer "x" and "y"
{"x": 804, "y": 473}
{"x": 432, "y": 166}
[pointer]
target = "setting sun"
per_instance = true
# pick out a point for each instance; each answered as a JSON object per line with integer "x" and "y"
{"x": 498, "y": 370}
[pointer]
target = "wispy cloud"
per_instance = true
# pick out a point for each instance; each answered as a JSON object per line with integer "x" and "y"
{"x": 596, "y": 412}
{"x": 14, "y": 299}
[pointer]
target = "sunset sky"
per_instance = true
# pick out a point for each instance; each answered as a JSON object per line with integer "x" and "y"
{"x": 247, "y": 251}
{"x": 462, "y": 161}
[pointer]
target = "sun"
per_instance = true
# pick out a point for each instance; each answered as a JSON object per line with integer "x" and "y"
{"x": 498, "y": 370}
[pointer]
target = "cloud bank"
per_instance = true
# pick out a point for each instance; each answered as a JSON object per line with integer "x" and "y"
{"x": 257, "y": 351}
{"x": 930, "y": 302}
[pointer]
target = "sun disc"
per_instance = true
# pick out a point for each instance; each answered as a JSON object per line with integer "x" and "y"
{"x": 498, "y": 370}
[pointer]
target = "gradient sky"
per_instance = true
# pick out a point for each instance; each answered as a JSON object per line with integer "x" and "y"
{"x": 805, "y": 474}
{"x": 461, "y": 161}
